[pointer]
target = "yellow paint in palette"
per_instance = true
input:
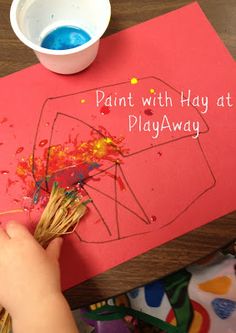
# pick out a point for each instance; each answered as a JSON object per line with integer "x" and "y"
{"x": 218, "y": 286}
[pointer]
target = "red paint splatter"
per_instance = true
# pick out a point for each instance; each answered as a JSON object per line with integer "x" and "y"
{"x": 19, "y": 150}
{"x": 153, "y": 218}
{"x": 1, "y": 143}
{"x": 11, "y": 182}
{"x": 4, "y": 172}
{"x": 81, "y": 191}
{"x": 149, "y": 112}
{"x": 11, "y": 126}
{"x": 70, "y": 176}
{"x": 118, "y": 179}
{"x": 69, "y": 139}
{"x": 121, "y": 183}
{"x": 71, "y": 162}
{"x": 27, "y": 202}
{"x": 43, "y": 143}
{"x": 105, "y": 110}
{"x": 96, "y": 179}
{"x": 3, "y": 120}
{"x": 159, "y": 154}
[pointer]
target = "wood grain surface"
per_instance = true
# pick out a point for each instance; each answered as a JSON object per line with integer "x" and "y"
{"x": 179, "y": 252}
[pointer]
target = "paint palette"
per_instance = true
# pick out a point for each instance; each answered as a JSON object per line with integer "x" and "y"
{"x": 64, "y": 35}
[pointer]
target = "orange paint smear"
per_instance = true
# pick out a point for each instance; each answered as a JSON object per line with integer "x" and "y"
{"x": 72, "y": 153}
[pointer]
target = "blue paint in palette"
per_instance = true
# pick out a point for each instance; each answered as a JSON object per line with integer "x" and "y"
{"x": 65, "y": 37}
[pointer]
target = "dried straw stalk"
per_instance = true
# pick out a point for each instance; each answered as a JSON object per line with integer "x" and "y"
{"x": 60, "y": 217}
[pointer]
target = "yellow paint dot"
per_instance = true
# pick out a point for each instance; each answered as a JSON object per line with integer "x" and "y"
{"x": 82, "y": 101}
{"x": 108, "y": 140}
{"x": 134, "y": 80}
{"x": 152, "y": 91}
{"x": 218, "y": 286}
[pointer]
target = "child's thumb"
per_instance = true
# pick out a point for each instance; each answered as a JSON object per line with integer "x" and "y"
{"x": 54, "y": 248}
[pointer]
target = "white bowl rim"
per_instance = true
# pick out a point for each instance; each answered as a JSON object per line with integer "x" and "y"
{"x": 44, "y": 50}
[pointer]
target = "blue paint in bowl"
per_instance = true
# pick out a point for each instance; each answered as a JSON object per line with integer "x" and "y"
{"x": 64, "y": 38}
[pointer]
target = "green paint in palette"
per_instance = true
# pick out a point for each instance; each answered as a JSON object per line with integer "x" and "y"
{"x": 65, "y": 37}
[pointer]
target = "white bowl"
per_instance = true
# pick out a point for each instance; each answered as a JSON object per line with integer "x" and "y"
{"x": 32, "y": 20}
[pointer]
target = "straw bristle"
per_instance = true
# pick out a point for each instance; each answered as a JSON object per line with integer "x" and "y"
{"x": 5, "y": 321}
{"x": 60, "y": 217}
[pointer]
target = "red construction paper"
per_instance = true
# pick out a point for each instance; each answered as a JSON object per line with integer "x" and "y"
{"x": 146, "y": 187}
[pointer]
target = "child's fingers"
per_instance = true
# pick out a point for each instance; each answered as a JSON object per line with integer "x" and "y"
{"x": 16, "y": 230}
{"x": 54, "y": 248}
{"x": 3, "y": 235}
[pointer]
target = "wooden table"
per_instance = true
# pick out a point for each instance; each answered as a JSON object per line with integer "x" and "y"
{"x": 186, "y": 249}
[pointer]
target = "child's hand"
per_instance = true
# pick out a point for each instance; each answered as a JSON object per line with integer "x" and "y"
{"x": 30, "y": 283}
{"x": 29, "y": 275}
